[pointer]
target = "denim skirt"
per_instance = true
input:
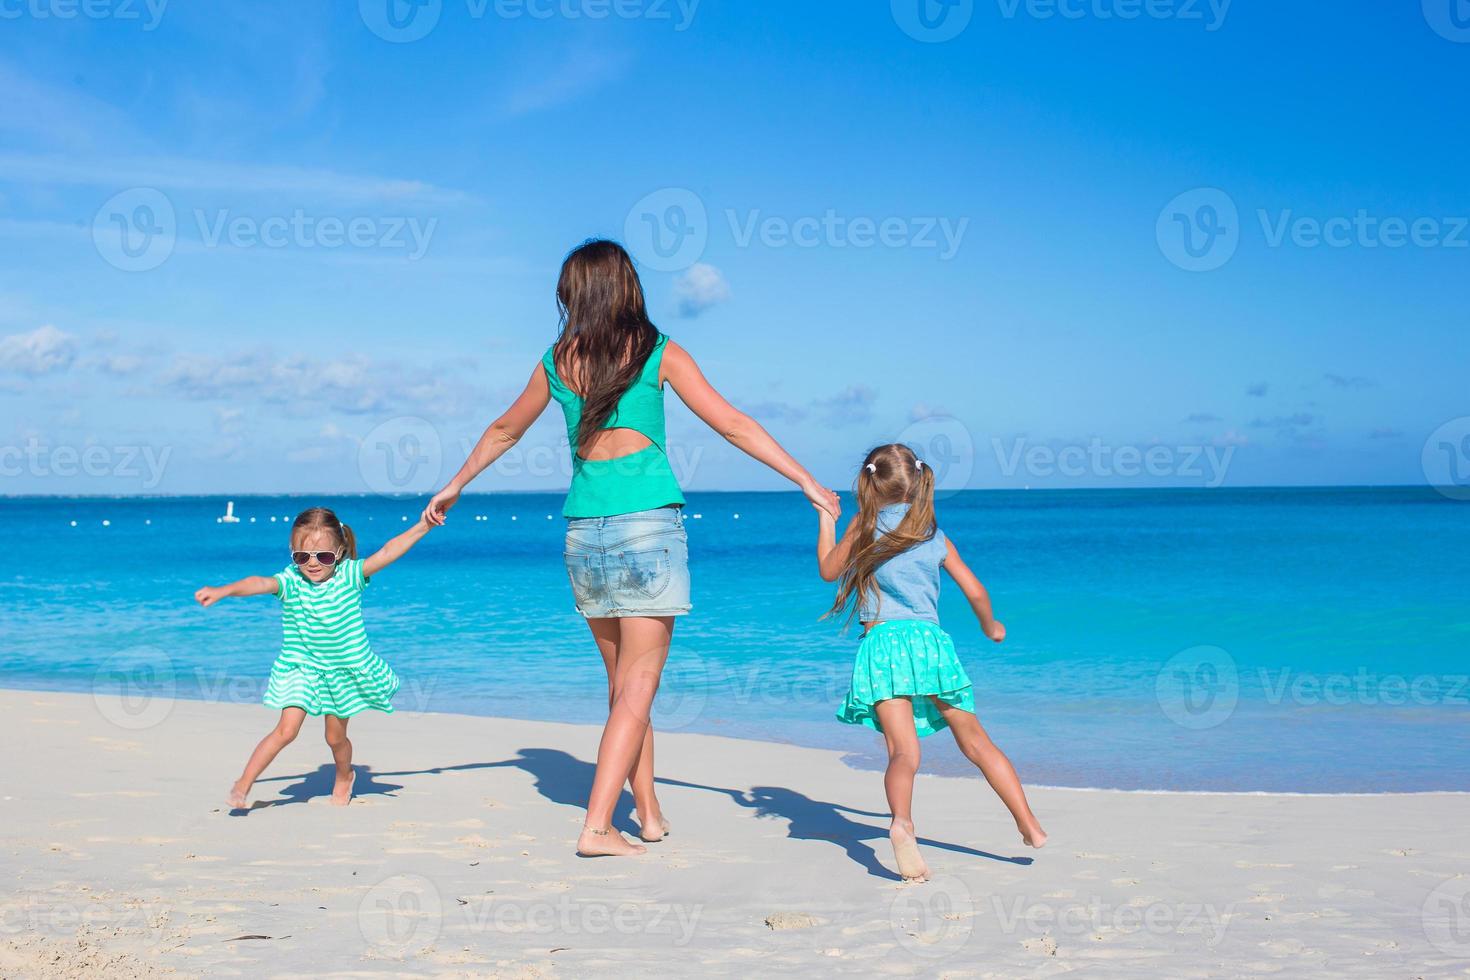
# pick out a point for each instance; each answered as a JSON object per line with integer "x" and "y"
{"x": 629, "y": 564}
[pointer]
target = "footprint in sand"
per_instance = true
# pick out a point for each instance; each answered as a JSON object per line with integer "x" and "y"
{"x": 1126, "y": 882}
{"x": 1402, "y": 852}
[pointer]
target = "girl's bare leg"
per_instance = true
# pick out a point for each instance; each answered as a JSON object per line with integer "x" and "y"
{"x": 970, "y": 736}
{"x": 643, "y": 646}
{"x": 342, "y": 755}
{"x": 265, "y": 753}
{"x": 896, "y": 715}
{"x": 606, "y": 633}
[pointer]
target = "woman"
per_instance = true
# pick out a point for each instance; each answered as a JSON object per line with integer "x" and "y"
{"x": 626, "y": 550}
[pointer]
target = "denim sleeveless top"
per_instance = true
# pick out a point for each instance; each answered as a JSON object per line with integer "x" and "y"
{"x": 908, "y": 583}
{"x": 625, "y": 484}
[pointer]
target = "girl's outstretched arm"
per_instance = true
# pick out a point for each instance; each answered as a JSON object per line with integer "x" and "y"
{"x": 739, "y": 429}
{"x": 501, "y": 434}
{"x": 254, "y": 585}
{"x": 831, "y": 553}
{"x": 974, "y": 591}
{"x": 395, "y": 549}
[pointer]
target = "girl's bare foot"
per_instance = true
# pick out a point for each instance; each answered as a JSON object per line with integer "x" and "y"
{"x": 653, "y": 831}
{"x": 606, "y": 843}
{"x": 342, "y": 789}
{"x": 906, "y": 851}
{"x": 237, "y": 799}
{"x": 1033, "y": 836}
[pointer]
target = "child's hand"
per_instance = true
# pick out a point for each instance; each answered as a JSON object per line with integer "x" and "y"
{"x": 209, "y": 595}
{"x": 996, "y": 630}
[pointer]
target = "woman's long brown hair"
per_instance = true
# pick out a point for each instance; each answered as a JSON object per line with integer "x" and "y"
{"x": 606, "y": 335}
{"x": 896, "y": 477}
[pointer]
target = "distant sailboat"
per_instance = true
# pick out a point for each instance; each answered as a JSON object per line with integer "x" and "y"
{"x": 229, "y": 517}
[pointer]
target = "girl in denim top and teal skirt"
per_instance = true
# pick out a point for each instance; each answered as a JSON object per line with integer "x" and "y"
{"x": 907, "y": 682}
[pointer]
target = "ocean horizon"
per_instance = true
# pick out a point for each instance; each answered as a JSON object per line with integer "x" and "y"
{"x": 1300, "y": 639}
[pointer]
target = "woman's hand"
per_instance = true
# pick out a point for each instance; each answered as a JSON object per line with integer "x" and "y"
{"x": 996, "y": 630}
{"x": 824, "y": 500}
{"x": 434, "y": 514}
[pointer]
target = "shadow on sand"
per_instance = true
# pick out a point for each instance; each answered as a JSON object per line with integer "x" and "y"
{"x": 564, "y": 779}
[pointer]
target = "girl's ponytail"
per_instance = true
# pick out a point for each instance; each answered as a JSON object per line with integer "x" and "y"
{"x": 349, "y": 542}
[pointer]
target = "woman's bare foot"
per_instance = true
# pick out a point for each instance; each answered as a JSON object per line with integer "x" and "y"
{"x": 906, "y": 851}
{"x": 342, "y": 789}
{"x": 658, "y": 826}
{"x": 237, "y": 798}
{"x": 1032, "y": 836}
{"x": 606, "y": 843}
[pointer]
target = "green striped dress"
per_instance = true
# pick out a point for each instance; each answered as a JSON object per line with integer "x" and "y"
{"x": 326, "y": 666}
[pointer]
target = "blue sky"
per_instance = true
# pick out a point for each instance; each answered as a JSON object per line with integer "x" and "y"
{"x": 297, "y": 247}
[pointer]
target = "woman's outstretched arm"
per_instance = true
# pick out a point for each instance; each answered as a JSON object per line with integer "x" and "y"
{"x": 739, "y": 429}
{"x": 501, "y": 434}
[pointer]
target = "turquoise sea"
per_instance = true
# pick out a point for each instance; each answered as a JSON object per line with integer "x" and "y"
{"x": 1310, "y": 640}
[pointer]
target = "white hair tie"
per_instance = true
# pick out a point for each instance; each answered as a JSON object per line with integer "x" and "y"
{"x": 872, "y": 467}
{"x": 918, "y": 464}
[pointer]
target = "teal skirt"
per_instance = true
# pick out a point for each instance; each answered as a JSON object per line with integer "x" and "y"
{"x": 343, "y": 692}
{"x": 906, "y": 658}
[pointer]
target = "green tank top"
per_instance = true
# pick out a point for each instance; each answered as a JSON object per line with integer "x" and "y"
{"x": 639, "y": 481}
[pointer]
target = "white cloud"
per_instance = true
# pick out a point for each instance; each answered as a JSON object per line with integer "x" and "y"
{"x": 41, "y": 351}
{"x": 700, "y": 288}
{"x": 121, "y": 364}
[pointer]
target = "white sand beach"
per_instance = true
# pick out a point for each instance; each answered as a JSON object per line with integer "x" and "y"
{"x": 456, "y": 859}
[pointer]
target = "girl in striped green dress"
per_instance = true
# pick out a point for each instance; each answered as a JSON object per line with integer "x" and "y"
{"x": 326, "y": 666}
